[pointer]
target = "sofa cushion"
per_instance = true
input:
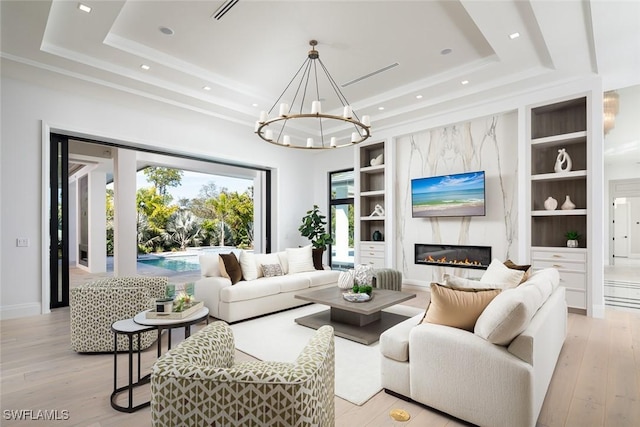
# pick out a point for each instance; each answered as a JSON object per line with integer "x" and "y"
{"x": 300, "y": 260}
{"x": 321, "y": 277}
{"x": 394, "y": 342}
{"x": 498, "y": 273}
{"x": 459, "y": 308}
{"x": 293, "y": 282}
{"x": 230, "y": 267}
{"x": 266, "y": 259}
{"x": 508, "y": 314}
{"x": 271, "y": 270}
{"x": 247, "y": 290}
{"x": 546, "y": 281}
{"x": 209, "y": 265}
{"x": 248, "y": 265}
{"x": 524, "y": 267}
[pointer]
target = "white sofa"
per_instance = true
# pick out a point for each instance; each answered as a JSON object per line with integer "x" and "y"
{"x": 467, "y": 376}
{"x": 260, "y": 295}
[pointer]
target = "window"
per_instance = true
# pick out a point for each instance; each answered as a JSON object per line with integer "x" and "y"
{"x": 341, "y": 219}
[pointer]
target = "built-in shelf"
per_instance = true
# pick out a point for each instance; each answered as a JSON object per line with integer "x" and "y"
{"x": 372, "y": 169}
{"x": 372, "y": 193}
{"x": 372, "y": 218}
{"x": 559, "y": 176}
{"x": 567, "y": 138}
{"x": 562, "y": 212}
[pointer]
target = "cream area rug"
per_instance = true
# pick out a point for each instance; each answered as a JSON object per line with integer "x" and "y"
{"x": 278, "y": 338}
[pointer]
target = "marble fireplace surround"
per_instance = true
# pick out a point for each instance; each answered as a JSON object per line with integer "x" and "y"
{"x": 459, "y": 256}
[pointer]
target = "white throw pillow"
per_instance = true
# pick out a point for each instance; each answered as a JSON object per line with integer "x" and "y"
{"x": 461, "y": 282}
{"x": 508, "y": 314}
{"x": 500, "y": 274}
{"x": 266, "y": 259}
{"x": 300, "y": 259}
{"x": 248, "y": 265}
{"x": 284, "y": 262}
{"x": 210, "y": 265}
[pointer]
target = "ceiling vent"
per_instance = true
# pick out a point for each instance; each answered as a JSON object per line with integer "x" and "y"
{"x": 373, "y": 73}
{"x": 223, "y": 9}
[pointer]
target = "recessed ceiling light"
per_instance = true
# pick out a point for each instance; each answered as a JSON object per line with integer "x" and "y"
{"x": 418, "y": 96}
{"x": 84, "y": 7}
{"x": 206, "y": 87}
{"x": 380, "y": 108}
{"x": 465, "y": 82}
{"x": 166, "y": 31}
{"x": 514, "y": 35}
{"x": 145, "y": 67}
{"x": 446, "y": 51}
{"x": 254, "y": 105}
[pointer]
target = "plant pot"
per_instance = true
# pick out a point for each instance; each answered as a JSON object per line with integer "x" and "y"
{"x": 316, "y": 254}
{"x": 572, "y": 243}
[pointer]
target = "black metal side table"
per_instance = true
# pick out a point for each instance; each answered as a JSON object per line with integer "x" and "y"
{"x": 129, "y": 328}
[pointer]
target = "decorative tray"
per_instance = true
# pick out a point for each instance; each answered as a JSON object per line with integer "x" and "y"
{"x": 197, "y": 305}
{"x": 352, "y": 297}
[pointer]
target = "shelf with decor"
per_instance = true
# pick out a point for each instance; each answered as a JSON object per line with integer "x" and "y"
{"x": 558, "y": 185}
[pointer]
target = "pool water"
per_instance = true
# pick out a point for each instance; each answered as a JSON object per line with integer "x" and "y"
{"x": 174, "y": 263}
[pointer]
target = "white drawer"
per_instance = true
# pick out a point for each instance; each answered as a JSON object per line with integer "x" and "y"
{"x": 371, "y": 246}
{"x": 561, "y": 265}
{"x": 576, "y": 299}
{"x": 375, "y": 262}
{"x": 559, "y": 254}
{"x": 573, "y": 280}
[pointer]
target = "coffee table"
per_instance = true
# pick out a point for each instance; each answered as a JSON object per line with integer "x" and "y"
{"x": 362, "y": 322}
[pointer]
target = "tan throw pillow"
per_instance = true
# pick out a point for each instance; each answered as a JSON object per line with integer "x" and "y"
{"x": 458, "y": 308}
{"x": 500, "y": 274}
{"x": 526, "y": 268}
{"x": 210, "y": 265}
{"x": 231, "y": 266}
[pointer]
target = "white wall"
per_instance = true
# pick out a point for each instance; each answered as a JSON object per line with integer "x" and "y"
{"x": 128, "y": 119}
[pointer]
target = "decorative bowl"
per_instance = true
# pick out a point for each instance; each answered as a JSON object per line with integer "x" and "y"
{"x": 353, "y": 297}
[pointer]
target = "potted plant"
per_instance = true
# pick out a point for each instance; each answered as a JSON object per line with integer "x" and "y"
{"x": 572, "y": 238}
{"x": 314, "y": 228}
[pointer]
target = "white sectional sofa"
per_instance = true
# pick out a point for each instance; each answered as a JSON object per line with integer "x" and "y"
{"x": 466, "y": 375}
{"x": 259, "y": 295}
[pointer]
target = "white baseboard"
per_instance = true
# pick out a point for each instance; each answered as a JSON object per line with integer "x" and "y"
{"x": 20, "y": 310}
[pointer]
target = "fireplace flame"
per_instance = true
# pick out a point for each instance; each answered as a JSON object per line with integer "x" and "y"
{"x": 443, "y": 260}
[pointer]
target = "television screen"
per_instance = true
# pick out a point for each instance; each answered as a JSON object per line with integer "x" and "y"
{"x": 448, "y": 195}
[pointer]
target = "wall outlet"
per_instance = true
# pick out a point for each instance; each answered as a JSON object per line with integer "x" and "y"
{"x": 22, "y": 242}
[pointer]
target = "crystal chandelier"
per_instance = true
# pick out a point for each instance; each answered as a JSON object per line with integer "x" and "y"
{"x": 611, "y": 107}
{"x": 308, "y": 107}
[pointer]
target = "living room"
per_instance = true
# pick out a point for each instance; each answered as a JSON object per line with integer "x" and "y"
{"x": 40, "y": 97}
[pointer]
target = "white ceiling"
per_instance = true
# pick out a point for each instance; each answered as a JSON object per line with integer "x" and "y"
{"x": 249, "y": 55}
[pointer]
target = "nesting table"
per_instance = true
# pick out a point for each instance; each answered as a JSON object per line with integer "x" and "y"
{"x": 133, "y": 328}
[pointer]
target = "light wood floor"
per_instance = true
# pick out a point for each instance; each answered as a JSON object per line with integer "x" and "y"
{"x": 596, "y": 382}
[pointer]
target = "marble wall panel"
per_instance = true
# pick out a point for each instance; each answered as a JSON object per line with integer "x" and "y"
{"x": 488, "y": 144}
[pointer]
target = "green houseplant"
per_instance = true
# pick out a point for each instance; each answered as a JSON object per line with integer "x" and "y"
{"x": 572, "y": 238}
{"x": 314, "y": 228}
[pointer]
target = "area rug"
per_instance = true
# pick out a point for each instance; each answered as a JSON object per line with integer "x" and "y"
{"x": 278, "y": 338}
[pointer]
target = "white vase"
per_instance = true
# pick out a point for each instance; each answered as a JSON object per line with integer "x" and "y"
{"x": 568, "y": 204}
{"x": 572, "y": 243}
{"x": 550, "y": 204}
{"x": 364, "y": 275}
{"x": 563, "y": 162}
{"x": 345, "y": 280}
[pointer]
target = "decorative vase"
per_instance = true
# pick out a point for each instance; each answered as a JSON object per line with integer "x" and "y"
{"x": 377, "y": 236}
{"x": 376, "y": 161}
{"x": 568, "y": 204}
{"x": 572, "y": 243}
{"x": 363, "y": 275}
{"x": 316, "y": 255}
{"x": 345, "y": 280}
{"x": 550, "y": 204}
{"x": 563, "y": 161}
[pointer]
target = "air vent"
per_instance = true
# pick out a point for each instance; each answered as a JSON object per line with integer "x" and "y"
{"x": 366, "y": 76}
{"x": 222, "y": 10}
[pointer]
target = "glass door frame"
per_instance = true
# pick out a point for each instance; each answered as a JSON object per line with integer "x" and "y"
{"x": 335, "y": 202}
{"x": 58, "y": 226}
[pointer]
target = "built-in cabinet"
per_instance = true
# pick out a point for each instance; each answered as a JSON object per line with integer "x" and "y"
{"x": 373, "y": 207}
{"x": 554, "y": 127}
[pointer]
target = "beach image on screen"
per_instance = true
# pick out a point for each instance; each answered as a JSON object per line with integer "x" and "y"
{"x": 448, "y": 195}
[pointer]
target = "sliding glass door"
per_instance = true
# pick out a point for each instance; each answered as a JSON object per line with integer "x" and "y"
{"x": 59, "y": 222}
{"x": 341, "y": 186}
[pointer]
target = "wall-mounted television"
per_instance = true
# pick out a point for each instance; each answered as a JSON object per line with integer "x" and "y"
{"x": 461, "y": 194}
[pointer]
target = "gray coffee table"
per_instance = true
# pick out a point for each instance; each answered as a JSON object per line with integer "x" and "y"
{"x": 362, "y": 322}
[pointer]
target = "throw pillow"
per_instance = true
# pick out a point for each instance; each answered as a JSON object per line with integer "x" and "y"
{"x": 210, "y": 265}
{"x": 232, "y": 269}
{"x": 498, "y": 273}
{"x": 458, "y": 308}
{"x": 248, "y": 265}
{"x": 284, "y": 262}
{"x": 508, "y": 315}
{"x": 300, "y": 259}
{"x": 263, "y": 259}
{"x": 271, "y": 270}
{"x": 461, "y": 282}
{"x": 526, "y": 268}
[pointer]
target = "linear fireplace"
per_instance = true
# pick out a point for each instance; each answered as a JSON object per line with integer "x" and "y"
{"x": 453, "y": 255}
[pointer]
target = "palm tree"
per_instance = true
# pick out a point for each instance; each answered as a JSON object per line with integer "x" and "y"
{"x": 222, "y": 208}
{"x": 183, "y": 229}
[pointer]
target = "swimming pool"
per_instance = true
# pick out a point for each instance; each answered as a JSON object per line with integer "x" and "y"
{"x": 174, "y": 263}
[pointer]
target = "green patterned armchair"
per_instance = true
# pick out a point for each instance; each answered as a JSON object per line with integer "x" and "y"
{"x": 198, "y": 384}
{"x": 96, "y": 305}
